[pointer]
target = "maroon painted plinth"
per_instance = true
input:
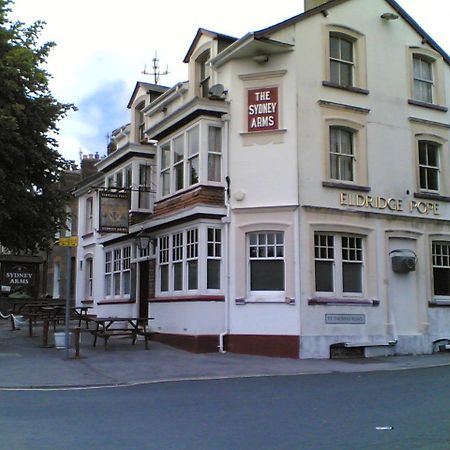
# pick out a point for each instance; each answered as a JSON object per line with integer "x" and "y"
{"x": 262, "y": 345}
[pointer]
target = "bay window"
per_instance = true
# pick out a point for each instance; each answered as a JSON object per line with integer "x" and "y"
{"x": 190, "y": 158}
{"x": 190, "y": 261}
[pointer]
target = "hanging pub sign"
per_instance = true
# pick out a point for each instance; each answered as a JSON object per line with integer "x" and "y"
{"x": 114, "y": 208}
{"x": 262, "y": 109}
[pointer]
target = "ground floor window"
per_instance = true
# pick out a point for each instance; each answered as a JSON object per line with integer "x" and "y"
{"x": 339, "y": 264}
{"x": 89, "y": 278}
{"x": 266, "y": 261}
{"x": 118, "y": 272}
{"x": 441, "y": 268}
{"x": 190, "y": 261}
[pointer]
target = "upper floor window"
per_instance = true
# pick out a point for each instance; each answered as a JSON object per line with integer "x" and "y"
{"x": 423, "y": 79}
{"x": 214, "y": 153}
{"x": 203, "y": 72}
{"x": 140, "y": 121}
{"x": 144, "y": 186}
{"x": 429, "y": 166}
{"x": 338, "y": 263}
{"x": 341, "y": 60}
{"x": 342, "y": 154}
{"x": 89, "y": 223}
{"x": 266, "y": 261}
{"x": 192, "y": 157}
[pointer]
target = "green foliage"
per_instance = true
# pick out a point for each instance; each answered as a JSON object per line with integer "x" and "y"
{"x": 32, "y": 201}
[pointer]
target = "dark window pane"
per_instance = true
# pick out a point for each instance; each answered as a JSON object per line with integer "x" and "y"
{"x": 352, "y": 279}
{"x": 164, "y": 278}
{"x": 324, "y": 276}
{"x": 346, "y": 75}
{"x": 441, "y": 281}
{"x": 213, "y": 274}
{"x": 178, "y": 277}
{"x": 266, "y": 275}
{"x": 192, "y": 275}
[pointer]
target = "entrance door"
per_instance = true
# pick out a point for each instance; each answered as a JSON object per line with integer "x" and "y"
{"x": 143, "y": 288}
{"x": 403, "y": 292}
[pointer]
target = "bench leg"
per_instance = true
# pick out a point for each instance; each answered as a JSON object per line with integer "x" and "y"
{"x": 13, "y": 324}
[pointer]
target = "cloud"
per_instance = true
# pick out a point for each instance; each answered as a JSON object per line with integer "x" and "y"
{"x": 99, "y": 112}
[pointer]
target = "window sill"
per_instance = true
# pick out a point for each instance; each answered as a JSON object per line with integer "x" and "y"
{"x": 87, "y": 235}
{"x": 353, "y": 89}
{"x": 432, "y": 196}
{"x": 265, "y": 300}
{"x": 119, "y": 301}
{"x": 347, "y": 186}
{"x": 257, "y": 133}
{"x": 187, "y": 298}
{"x": 439, "y": 303}
{"x": 334, "y": 301}
{"x": 428, "y": 105}
{"x": 87, "y": 302}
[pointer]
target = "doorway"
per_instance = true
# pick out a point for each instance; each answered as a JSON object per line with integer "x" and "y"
{"x": 403, "y": 292}
{"x": 143, "y": 288}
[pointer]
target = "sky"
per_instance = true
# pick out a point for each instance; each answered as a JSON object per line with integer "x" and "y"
{"x": 102, "y": 47}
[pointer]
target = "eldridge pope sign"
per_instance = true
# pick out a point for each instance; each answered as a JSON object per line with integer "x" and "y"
{"x": 262, "y": 111}
{"x": 114, "y": 208}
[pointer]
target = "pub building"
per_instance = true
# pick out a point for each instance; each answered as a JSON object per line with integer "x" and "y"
{"x": 290, "y": 199}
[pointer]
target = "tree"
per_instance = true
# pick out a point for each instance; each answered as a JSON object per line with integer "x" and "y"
{"x": 32, "y": 199}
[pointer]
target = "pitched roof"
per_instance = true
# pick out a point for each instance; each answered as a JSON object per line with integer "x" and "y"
{"x": 212, "y": 34}
{"x": 332, "y": 3}
{"x": 147, "y": 87}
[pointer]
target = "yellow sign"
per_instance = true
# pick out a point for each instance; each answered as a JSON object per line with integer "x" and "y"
{"x": 70, "y": 241}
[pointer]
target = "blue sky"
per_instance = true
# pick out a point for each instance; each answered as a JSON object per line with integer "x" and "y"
{"x": 102, "y": 47}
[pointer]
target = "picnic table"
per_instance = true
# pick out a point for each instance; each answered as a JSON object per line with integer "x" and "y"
{"x": 133, "y": 327}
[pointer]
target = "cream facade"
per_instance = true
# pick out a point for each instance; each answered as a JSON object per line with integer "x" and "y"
{"x": 301, "y": 190}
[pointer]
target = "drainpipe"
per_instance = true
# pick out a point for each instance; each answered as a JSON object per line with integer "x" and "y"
{"x": 227, "y": 222}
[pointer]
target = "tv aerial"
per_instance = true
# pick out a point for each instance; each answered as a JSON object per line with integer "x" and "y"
{"x": 156, "y": 70}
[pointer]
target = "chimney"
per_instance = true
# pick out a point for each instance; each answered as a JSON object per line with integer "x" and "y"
{"x": 88, "y": 165}
{"x": 310, "y": 4}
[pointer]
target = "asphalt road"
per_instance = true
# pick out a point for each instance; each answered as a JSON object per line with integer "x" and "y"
{"x": 408, "y": 409}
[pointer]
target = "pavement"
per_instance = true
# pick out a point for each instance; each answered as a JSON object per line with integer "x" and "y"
{"x": 26, "y": 364}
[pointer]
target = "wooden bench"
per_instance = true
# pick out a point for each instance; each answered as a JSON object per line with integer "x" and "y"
{"x": 111, "y": 332}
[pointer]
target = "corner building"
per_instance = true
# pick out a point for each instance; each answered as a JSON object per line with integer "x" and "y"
{"x": 302, "y": 180}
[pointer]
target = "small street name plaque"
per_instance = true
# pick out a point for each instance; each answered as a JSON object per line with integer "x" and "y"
{"x": 352, "y": 319}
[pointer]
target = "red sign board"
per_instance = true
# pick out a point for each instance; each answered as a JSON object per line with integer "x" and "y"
{"x": 263, "y": 109}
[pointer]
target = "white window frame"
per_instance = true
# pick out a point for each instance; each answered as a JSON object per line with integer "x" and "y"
{"x": 89, "y": 222}
{"x": 440, "y": 259}
{"x": 117, "y": 272}
{"x": 339, "y": 155}
{"x": 185, "y": 247}
{"x": 257, "y": 250}
{"x": 336, "y": 258}
{"x": 89, "y": 278}
{"x": 420, "y": 79}
{"x": 425, "y": 168}
{"x": 168, "y": 167}
{"x": 349, "y": 63}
